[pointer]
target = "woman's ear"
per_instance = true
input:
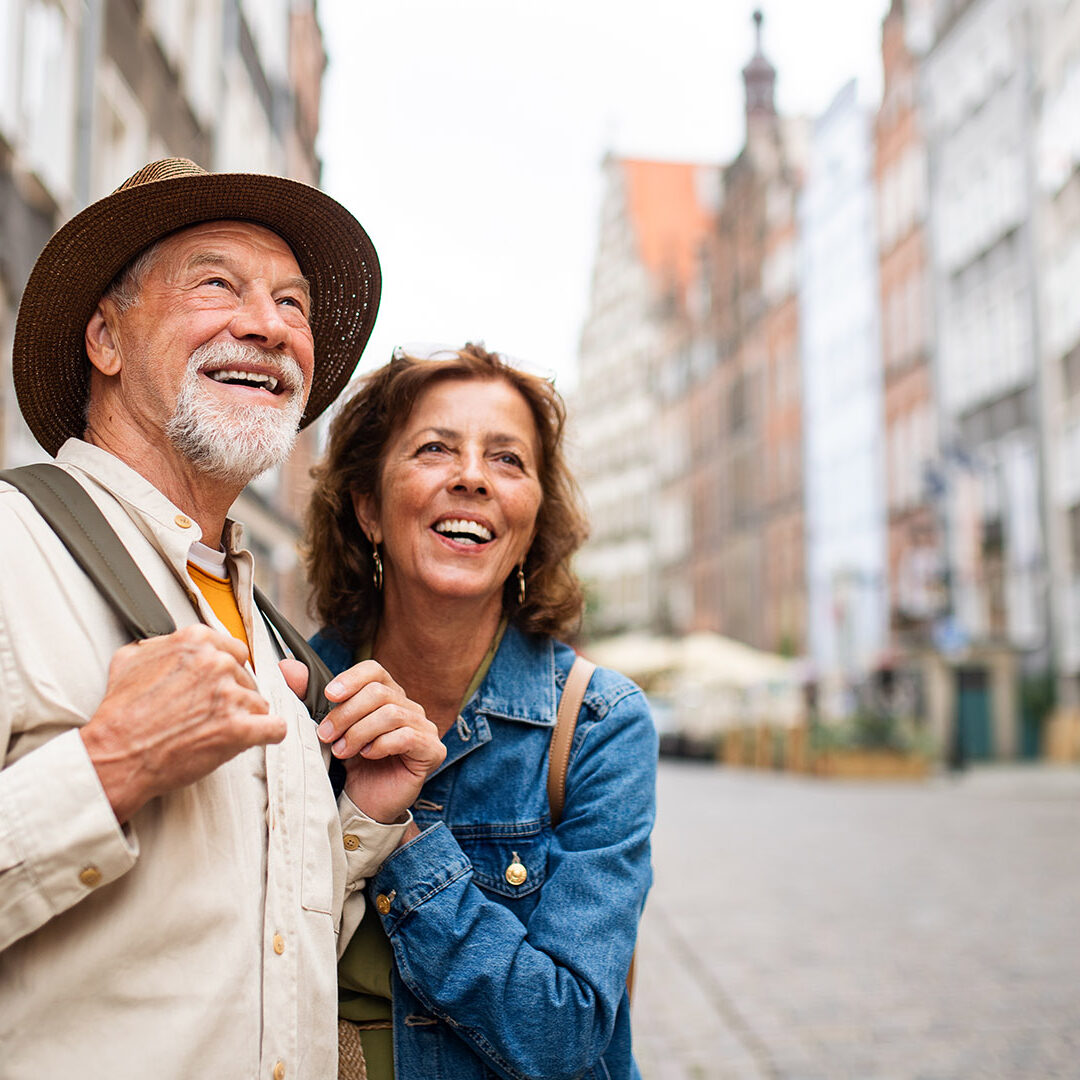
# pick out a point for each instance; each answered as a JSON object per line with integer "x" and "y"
{"x": 100, "y": 340}
{"x": 364, "y": 508}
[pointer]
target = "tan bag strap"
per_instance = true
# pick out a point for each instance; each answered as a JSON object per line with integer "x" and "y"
{"x": 563, "y": 736}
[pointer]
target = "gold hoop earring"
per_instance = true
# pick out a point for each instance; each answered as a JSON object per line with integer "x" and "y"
{"x": 376, "y": 572}
{"x": 521, "y": 584}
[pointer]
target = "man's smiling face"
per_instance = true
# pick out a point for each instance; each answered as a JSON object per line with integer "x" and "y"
{"x": 217, "y": 352}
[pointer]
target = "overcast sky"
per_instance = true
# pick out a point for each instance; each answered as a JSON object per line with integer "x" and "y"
{"x": 467, "y": 136}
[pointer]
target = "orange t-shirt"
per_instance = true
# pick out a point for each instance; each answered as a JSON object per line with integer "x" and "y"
{"x": 219, "y": 595}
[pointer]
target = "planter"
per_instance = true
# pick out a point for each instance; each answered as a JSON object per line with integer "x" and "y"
{"x": 853, "y": 764}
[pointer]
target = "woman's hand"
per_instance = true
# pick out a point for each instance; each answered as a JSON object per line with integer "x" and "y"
{"x": 388, "y": 744}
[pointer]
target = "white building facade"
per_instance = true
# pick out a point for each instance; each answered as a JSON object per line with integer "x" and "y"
{"x": 1058, "y": 229}
{"x": 843, "y": 420}
{"x": 978, "y": 113}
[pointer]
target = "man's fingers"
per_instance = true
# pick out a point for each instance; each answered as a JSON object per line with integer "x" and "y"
{"x": 296, "y": 676}
{"x": 263, "y": 729}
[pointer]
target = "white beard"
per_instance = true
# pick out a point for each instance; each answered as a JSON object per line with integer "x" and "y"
{"x": 235, "y": 443}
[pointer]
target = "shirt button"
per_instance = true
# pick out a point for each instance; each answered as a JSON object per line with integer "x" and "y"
{"x": 382, "y": 903}
{"x": 90, "y": 876}
{"x": 351, "y": 842}
{"x": 279, "y": 944}
{"x": 183, "y": 521}
{"x": 279, "y": 1071}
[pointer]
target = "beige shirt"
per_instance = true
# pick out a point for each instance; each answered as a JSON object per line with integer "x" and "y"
{"x": 199, "y": 940}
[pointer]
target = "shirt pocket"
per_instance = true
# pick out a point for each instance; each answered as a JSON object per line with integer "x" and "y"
{"x": 508, "y": 861}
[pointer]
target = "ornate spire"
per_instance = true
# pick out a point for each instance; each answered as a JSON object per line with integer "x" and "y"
{"x": 760, "y": 77}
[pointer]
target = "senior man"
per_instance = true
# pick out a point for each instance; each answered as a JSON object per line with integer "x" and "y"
{"x": 174, "y": 871}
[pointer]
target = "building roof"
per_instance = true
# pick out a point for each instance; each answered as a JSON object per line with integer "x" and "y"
{"x": 671, "y": 213}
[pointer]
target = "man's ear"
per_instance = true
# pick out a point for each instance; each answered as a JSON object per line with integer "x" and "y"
{"x": 100, "y": 340}
{"x": 364, "y": 508}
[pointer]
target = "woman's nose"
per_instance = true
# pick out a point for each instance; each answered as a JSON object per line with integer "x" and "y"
{"x": 472, "y": 473}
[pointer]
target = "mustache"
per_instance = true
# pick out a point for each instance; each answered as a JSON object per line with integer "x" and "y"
{"x": 236, "y": 353}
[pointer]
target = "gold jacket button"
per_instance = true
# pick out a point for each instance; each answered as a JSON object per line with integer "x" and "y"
{"x": 516, "y": 872}
{"x": 279, "y": 1071}
{"x": 279, "y": 944}
{"x": 382, "y": 903}
{"x": 90, "y": 877}
{"x": 351, "y": 841}
{"x": 183, "y": 521}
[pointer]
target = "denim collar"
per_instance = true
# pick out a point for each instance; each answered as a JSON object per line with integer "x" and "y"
{"x": 520, "y": 684}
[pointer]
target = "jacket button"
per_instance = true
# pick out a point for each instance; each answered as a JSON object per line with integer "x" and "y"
{"x": 90, "y": 877}
{"x": 279, "y": 944}
{"x": 351, "y": 841}
{"x": 183, "y": 521}
{"x": 382, "y": 903}
{"x": 516, "y": 872}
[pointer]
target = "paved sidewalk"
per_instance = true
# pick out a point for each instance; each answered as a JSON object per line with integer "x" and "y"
{"x": 821, "y": 930}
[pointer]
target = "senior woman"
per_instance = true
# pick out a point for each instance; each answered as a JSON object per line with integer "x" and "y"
{"x": 439, "y": 541}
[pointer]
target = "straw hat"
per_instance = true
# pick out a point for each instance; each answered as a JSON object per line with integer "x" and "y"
{"x": 49, "y": 363}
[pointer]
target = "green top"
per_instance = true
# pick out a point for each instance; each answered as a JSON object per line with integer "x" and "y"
{"x": 364, "y": 993}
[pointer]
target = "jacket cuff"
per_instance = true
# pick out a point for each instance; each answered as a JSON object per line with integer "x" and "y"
{"x": 416, "y": 872}
{"x": 59, "y": 837}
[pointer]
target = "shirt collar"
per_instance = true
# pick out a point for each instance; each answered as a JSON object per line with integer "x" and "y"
{"x": 520, "y": 685}
{"x": 140, "y": 496}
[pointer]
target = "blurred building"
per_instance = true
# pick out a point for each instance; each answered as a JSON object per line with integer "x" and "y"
{"x": 653, "y": 220}
{"x": 1058, "y": 227}
{"x": 688, "y": 403}
{"x": 977, "y": 89}
{"x": 915, "y": 567}
{"x": 91, "y": 91}
{"x": 746, "y": 563}
{"x": 843, "y": 407}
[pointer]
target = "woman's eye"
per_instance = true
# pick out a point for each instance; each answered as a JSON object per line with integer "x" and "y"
{"x": 431, "y": 448}
{"x": 508, "y": 457}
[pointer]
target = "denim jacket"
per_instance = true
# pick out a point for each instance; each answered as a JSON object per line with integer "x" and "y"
{"x": 521, "y": 980}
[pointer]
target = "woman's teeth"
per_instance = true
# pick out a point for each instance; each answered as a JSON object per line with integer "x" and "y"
{"x": 462, "y": 530}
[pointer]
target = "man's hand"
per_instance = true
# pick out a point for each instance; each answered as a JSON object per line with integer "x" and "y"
{"x": 388, "y": 744}
{"x": 175, "y": 708}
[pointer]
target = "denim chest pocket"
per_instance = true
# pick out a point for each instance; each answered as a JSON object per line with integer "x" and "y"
{"x": 507, "y": 860}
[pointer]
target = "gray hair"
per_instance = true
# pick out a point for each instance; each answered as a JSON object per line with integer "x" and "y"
{"x": 123, "y": 291}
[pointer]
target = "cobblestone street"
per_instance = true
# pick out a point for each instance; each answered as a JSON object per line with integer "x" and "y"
{"x": 811, "y": 930}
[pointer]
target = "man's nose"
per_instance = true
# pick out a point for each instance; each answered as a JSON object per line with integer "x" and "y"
{"x": 259, "y": 320}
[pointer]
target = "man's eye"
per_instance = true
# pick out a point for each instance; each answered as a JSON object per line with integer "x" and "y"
{"x": 217, "y": 281}
{"x": 291, "y": 301}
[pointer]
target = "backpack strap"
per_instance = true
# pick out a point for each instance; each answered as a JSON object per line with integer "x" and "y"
{"x": 75, "y": 518}
{"x": 563, "y": 736}
{"x": 577, "y": 682}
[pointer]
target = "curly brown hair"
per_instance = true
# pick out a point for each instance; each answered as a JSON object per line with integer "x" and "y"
{"x": 339, "y": 556}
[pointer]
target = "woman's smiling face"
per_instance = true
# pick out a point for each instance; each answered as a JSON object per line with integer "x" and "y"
{"x": 459, "y": 492}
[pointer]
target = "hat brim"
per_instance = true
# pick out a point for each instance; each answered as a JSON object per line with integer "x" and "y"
{"x": 49, "y": 364}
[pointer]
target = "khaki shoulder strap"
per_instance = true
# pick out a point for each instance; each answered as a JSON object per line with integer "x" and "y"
{"x": 76, "y": 519}
{"x": 563, "y": 735}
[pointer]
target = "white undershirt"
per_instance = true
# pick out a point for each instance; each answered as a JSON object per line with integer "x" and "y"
{"x": 209, "y": 560}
